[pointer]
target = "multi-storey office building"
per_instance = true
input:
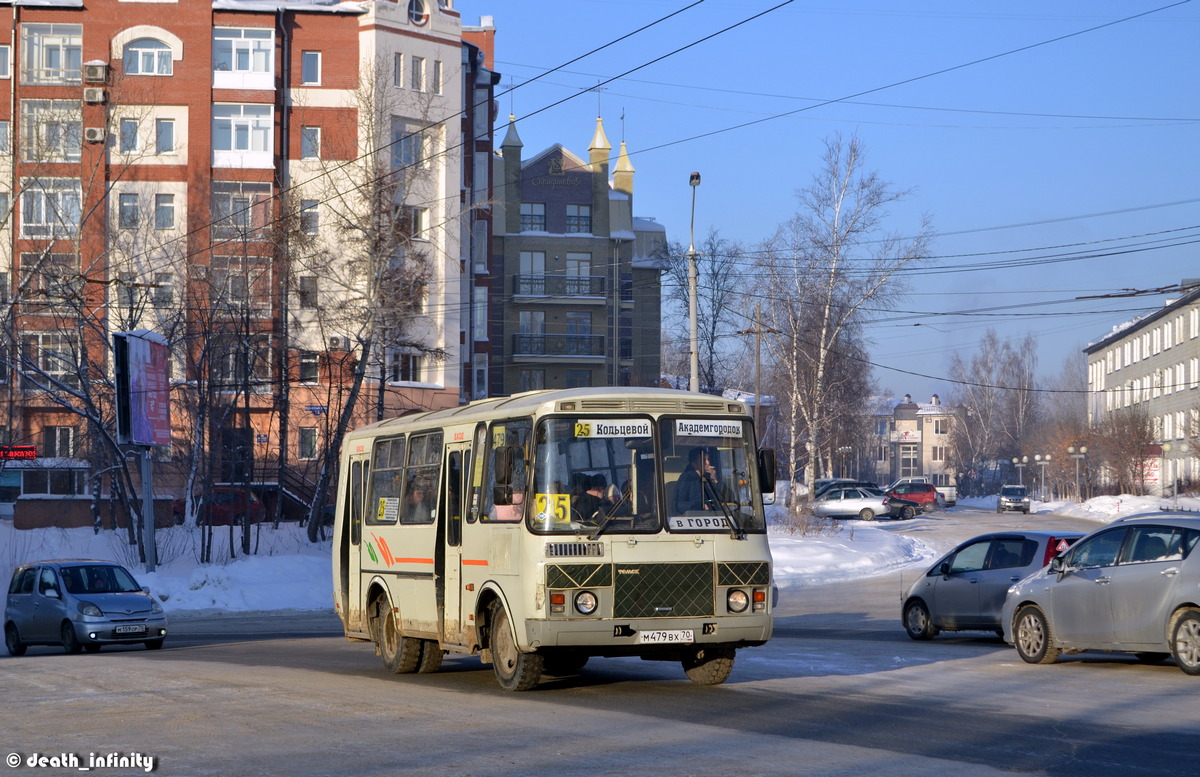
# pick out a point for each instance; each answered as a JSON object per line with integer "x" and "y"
{"x": 912, "y": 439}
{"x": 580, "y": 276}
{"x": 286, "y": 191}
{"x": 1151, "y": 366}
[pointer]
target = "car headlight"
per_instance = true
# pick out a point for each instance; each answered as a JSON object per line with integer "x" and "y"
{"x": 585, "y": 602}
{"x": 155, "y": 607}
{"x": 87, "y": 608}
{"x": 736, "y": 600}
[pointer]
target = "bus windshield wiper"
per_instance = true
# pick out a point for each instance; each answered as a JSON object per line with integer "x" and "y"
{"x": 735, "y": 529}
{"x": 608, "y": 516}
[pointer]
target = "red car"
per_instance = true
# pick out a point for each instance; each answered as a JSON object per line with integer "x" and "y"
{"x": 923, "y": 494}
{"x": 224, "y": 505}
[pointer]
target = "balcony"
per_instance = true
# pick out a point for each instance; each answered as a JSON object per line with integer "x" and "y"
{"x": 559, "y": 285}
{"x": 589, "y": 346}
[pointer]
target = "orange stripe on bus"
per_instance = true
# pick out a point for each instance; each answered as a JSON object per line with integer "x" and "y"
{"x": 470, "y": 562}
{"x": 413, "y": 560}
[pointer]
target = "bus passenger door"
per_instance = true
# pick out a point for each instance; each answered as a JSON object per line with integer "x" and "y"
{"x": 458, "y": 457}
{"x": 358, "y": 486}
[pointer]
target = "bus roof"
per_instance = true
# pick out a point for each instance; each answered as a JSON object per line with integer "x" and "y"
{"x": 589, "y": 400}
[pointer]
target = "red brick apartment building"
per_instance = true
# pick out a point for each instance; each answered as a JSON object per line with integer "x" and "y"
{"x": 295, "y": 194}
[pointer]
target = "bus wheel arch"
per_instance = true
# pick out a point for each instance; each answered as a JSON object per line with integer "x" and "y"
{"x": 400, "y": 654}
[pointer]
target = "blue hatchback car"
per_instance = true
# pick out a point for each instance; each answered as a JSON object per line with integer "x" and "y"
{"x": 80, "y": 604}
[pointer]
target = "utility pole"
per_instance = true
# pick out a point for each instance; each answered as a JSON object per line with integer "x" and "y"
{"x": 694, "y": 358}
{"x": 758, "y": 332}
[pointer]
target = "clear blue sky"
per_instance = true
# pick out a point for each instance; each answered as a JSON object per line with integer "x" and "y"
{"x": 1086, "y": 145}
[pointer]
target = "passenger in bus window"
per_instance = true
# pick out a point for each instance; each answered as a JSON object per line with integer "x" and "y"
{"x": 416, "y": 505}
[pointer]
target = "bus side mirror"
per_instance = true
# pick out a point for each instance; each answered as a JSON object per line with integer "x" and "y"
{"x": 502, "y": 495}
{"x": 766, "y": 470}
{"x": 504, "y": 466}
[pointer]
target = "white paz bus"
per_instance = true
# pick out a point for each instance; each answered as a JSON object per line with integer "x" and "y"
{"x": 542, "y": 529}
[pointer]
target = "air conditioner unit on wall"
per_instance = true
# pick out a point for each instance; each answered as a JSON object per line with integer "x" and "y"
{"x": 93, "y": 94}
{"x": 95, "y": 73}
{"x": 338, "y": 344}
{"x": 93, "y": 134}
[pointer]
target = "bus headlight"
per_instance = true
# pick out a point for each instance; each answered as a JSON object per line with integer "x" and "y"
{"x": 736, "y": 600}
{"x": 585, "y": 602}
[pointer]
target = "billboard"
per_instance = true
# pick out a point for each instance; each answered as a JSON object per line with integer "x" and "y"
{"x": 143, "y": 391}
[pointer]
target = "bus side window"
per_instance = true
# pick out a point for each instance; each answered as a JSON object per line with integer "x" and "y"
{"x": 509, "y": 441}
{"x": 356, "y": 496}
{"x": 454, "y": 475}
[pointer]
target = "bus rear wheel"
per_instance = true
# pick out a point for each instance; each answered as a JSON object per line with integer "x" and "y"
{"x": 709, "y": 665}
{"x": 431, "y": 656}
{"x": 401, "y": 654}
{"x": 515, "y": 671}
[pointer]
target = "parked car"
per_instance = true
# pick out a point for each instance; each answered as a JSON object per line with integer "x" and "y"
{"x": 851, "y": 502}
{"x": 949, "y": 494}
{"x": 1013, "y": 498}
{"x": 1128, "y": 587}
{"x": 82, "y": 605}
{"x": 903, "y": 509}
{"x": 845, "y": 484}
{"x": 225, "y": 504}
{"x": 965, "y": 589}
{"x": 924, "y": 494}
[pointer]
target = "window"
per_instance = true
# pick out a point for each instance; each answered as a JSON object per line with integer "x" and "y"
{"x": 164, "y": 290}
{"x": 310, "y": 67}
{"x": 53, "y": 130}
{"x": 54, "y": 481}
{"x": 243, "y": 50}
{"x": 310, "y": 142}
{"x": 147, "y": 57}
{"x": 910, "y": 463}
{"x": 531, "y": 380}
{"x": 397, "y": 70}
{"x": 414, "y": 221}
{"x": 938, "y": 453}
{"x": 579, "y": 218}
{"x": 126, "y": 291}
{"x": 1098, "y": 551}
{"x": 533, "y": 217}
{"x": 310, "y": 367}
{"x": 405, "y": 367}
{"x": 53, "y": 54}
{"x": 164, "y": 211}
{"x": 479, "y": 379}
{"x": 242, "y": 128}
{"x": 59, "y": 441}
{"x": 128, "y": 137}
{"x": 239, "y": 208}
{"x": 409, "y": 149}
{"x": 50, "y": 207}
{"x": 579, "y": 332}
{"x": 417, "y": 74}
{"x": 51, "y": 354}
{"x": 243, "y": 282}
{"x": 164, "y": 136}
{"x": 436, "y": 77}
{"x": 578, "y": 378}
{"x": 5, "y": 54}
{"x": 5, "y": 148}
{"x": 308, "y": 442}
{"x": 127, "y": 211}
{"x": 306, "y": 296}
{"x": 418, "y": 12}
{"x": 480, "y": 323}
{"x": 308, "y": 217}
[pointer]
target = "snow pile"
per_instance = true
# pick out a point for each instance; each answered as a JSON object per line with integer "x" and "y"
{"x": 1100, "y": 509}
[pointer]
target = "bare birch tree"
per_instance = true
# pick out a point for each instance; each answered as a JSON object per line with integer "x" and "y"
{"x": 822, "y": 268}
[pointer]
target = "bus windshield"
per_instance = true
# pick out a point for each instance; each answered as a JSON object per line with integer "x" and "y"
{"x": 596, "y": 474}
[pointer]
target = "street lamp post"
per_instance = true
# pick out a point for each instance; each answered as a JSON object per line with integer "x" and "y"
{"x": 1077, "y": 455}
{"x": 1167, "y": 447}
{"x": 1042, "y": 461}
{"x": 1020, "y": 465}
{"x": 845, "y": 449}
{"x": 694, "y": 359}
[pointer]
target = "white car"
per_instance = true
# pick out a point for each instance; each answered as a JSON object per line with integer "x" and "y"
{"x": 851, "y": 502}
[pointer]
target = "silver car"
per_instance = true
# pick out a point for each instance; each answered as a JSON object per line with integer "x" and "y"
{"x": 965, "y": 589}
{"x": 1133, "y": 586}
{"x": 80, "y": 604}
{"x": 851, "y": 503}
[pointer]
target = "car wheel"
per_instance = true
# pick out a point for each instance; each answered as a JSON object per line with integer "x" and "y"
{"x": 153, "y": 644}
{"x": 1033, "y": 638}
{"x": 917, "y": 621}
{"x": 515, "y": 671}
{"x": 70, "y": 642}
{"x": 709, "y": 666}
{"x": 907, "y": 513}
{"x": 12, "y": 640}
{"x": 999, "y": 510}
{"x": 866, "y": 514}
{"x": 1185, "y": 640}
{"x": 401, "y": 654}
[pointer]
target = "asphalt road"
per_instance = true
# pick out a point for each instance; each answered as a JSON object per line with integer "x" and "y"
{"x": 840, "y": 690}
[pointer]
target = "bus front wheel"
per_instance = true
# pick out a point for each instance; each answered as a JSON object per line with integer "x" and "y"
{"x": 709, "y": 665}
{"x": 515, "y": 671}
{"x": 401, "y": 654}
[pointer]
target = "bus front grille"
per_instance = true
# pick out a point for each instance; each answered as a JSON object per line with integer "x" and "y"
{"x": 663, "y": 590}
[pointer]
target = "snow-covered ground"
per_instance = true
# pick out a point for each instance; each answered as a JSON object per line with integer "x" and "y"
{"x": 290, "y": 573}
